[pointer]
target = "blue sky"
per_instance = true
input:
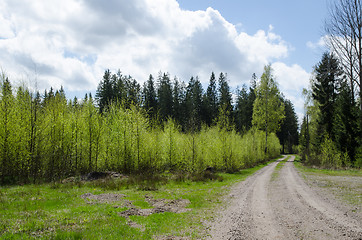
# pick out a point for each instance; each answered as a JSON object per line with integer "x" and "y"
{"x": 71, "y": 43}
{"x": 297, "y": 22}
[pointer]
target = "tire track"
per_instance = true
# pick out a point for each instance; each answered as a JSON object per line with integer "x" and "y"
{"x": 317, "y": 218}
{"x": 262, "y": 212}
{"x": 285, "y": 208}
{"x": 248, "y": 215}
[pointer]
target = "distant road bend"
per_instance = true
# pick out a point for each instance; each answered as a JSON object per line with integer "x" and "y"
{"x": 282, "y": 206}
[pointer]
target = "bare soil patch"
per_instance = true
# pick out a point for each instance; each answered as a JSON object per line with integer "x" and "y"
{"x": 103, "y": 198}
{"x": 159, "y": 206}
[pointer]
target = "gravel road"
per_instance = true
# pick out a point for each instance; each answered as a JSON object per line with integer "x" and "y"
{"x": 279, "y": 204}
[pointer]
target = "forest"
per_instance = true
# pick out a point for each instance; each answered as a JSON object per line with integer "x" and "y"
{"x": 331, "y": 131}
{"x": 163, "y": 126}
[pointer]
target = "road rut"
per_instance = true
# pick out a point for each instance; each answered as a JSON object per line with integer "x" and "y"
{"x": 282, "y": 206}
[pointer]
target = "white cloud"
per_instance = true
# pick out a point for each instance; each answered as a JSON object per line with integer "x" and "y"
{"x": 72, "y": 42}
{"x": 291, "y": 80}
{"x": 290, "y": 77}
{"x": 318, "y": 45}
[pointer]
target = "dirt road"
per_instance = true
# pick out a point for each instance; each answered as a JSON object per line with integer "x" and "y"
{"x": 279, "y": 204}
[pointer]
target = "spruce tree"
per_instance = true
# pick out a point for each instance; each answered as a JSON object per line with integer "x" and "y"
{"x": 211, "y": 101}
{"x": 288, "y": 132}
{"x": 164, "y": 95}
{"x": 104, "y": 94}
{"x": 193, "y": 101}
{"x": 324, "y": 90}
{"x": 178, "y": 100}
{"x": 345, "y": 122}
{"x": 150, "y": 98}
{"x": 225, "y": 99}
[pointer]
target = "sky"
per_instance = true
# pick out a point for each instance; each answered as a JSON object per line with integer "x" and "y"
{"x": 71, "y": 43}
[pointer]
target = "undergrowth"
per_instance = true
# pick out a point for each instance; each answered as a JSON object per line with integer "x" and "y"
{"x": 57, "y": 211}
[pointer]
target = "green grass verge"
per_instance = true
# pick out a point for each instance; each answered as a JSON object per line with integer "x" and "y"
{"x": 346, "y": 185}
{"x": 56, "y": 211}
{"x": 330, "y": 172}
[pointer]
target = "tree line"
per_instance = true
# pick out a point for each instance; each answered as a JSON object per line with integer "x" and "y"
{"x": 191, "y": 107}
{"x": 332, "y": 127}
{"x": 131, "y": 129}
{"x": 330, "y": 132}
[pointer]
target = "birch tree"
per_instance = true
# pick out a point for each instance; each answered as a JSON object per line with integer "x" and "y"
{"x": 268, "y": 110}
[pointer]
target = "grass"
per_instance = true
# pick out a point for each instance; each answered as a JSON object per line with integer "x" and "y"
{"x": 56, "y": 211}
{"x": 330, "y": 172}
{"x": 275, "y": 174}
{"x": 344, "y": 184}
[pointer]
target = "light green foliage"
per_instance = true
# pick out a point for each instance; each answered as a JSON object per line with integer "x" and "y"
{"x": 358, "y": 163}
{"x": 268, "y": 111}
{"x": 7, "y": 128}
{"x": 54, "y": 139}
{"x": 330, "y": 156}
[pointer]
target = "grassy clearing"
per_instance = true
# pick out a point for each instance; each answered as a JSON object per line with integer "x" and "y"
{"x": 346, "y": 185}
{"x": 57, "y": 211}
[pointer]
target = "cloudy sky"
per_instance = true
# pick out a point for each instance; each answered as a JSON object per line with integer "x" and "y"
{"x": 71, "y": 42}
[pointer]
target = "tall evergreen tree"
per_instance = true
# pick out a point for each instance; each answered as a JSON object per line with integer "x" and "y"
{"x": 193, "y": 103}
{"x": 150, "y": 98}
{"x": 288, "y": 132}
{"x": 105, "y": 94}
{"x": 244, "y": 107}
{"x": 225, "y": 99}
{"x": 324, "y": 91}
{"x": 211, "y": 101}
{"x": 119, "y": 88}
{"x": 165, "y": 98}
{"x": 133, "y": 91}
{"x": 304, "y": 138}
{"x": 345, "y": 122}
{"x": 178, "y": 100}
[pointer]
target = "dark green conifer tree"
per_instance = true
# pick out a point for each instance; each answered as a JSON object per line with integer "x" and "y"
{"x": 211, "y": 101}
{"x": 225, "y": 99}
{"x": 178, "y": 100}
{"x": 193, "y": 103}
{"x": 150, "y": 98}
{"x": 104, "y": 94}
{"x": 324, "y": 91}
{"x": 288, "y": 132}
{"x": 165, "y": 97}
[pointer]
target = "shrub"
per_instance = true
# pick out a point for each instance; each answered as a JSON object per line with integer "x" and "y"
{"x": 330, "y": 156}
